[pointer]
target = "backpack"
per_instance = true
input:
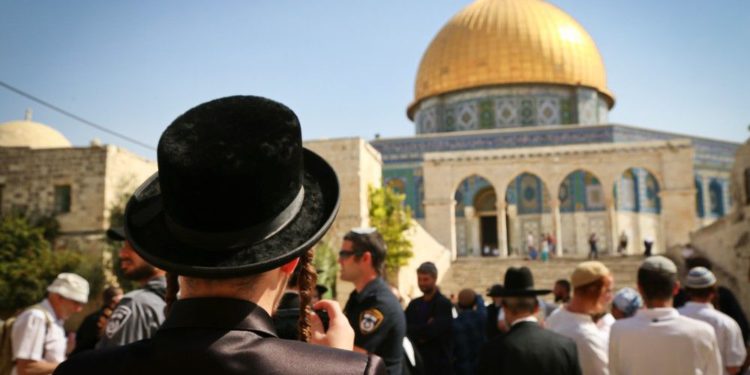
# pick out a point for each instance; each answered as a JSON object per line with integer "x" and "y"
{"x": 6, "y": 344}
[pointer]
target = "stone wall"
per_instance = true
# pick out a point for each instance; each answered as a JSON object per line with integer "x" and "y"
{"x": 727, "y": 241}
{"x": 125, "y": 172}
{"x": 97, "y": 175}
{"x": 29, "y": 178}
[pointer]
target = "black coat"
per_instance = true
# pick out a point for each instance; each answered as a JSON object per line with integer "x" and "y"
{"x": 529, "y": 349}
{"x": 220, "y": 336}
{"x": 431, "y": 333}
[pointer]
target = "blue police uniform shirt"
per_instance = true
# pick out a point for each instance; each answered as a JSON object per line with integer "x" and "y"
{"x": 379, "y": 323}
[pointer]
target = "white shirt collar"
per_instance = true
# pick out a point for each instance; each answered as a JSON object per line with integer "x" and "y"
{"x": 584, "y": 318}
{"x": 526, "y": 319}
{"x": 658, "y": 314}
{"x": 699, "y": 305}
{"x": 48, "y": 306}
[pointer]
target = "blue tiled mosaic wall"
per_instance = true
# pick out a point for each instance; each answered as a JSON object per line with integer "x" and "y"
{"x": 508, "y": 107}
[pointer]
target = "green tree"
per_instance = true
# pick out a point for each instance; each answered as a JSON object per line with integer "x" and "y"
{"x": 27, "y": 263}
{"x": 393, "y": 219}
{"x": 327, "y": 266}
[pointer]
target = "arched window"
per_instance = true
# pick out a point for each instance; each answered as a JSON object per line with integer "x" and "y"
{"x": 716, "y": 196}
{"x": 581, "y": 191}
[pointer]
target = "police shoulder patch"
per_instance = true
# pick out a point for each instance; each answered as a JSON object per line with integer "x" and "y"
{"x": 117, "y": 320}
{"x": 370, "y": 320}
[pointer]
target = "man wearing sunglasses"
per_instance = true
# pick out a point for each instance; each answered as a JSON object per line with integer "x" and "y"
{"x": 372, "y": 309}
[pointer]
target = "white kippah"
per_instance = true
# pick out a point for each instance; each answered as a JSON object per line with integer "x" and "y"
{"x": 699, "y": 278}
{"x": 658, "y": 263}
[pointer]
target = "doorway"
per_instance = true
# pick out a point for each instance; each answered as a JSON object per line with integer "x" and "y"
{"x": 488, "y": 235}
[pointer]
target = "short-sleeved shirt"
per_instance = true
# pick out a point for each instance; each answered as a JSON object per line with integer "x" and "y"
{"x": 138, "y": 316}
{"x": 661, "y": 341}
{"x": 591, "y": 341}
{"x": 38, "y": 335}
{"x": 379, "y": 323}
{"x": 728, "y": 333}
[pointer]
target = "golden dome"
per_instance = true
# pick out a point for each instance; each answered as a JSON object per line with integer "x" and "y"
{"x": 495, "y": 42}
{"x": 26, "y": 133}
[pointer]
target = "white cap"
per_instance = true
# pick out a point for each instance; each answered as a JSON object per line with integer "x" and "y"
{"x": 70, "y": 286}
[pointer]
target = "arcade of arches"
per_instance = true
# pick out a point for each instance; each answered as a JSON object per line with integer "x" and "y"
{"x": 644, "y": 190}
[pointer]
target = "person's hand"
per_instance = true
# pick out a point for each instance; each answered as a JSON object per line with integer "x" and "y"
{"x": 340, "y": 334}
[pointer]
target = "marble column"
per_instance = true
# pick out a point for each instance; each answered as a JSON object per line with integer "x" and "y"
{"x": 705, "y": 185}
{"x": 502, "y": 230}
{"x": 613, "y": 226}
{"x": 554, "y": 204}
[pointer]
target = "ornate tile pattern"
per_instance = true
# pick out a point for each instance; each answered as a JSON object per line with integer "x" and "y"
{"x": 506, "y": 112}
{"x": 548, "y": 111}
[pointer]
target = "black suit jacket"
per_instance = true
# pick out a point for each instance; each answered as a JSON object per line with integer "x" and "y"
{"x": 529, "y": 349}
{"x": 433, "y": 336}
{"x": 220, "y": 336}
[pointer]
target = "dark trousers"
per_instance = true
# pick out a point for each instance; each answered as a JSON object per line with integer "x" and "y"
{"x": 593, "y": 252}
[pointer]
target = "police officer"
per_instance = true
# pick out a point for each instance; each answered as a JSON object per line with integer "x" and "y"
{"x": 140, "y": 313}
{"x": 372, "y": 309}
{"x": 237, "y": 204}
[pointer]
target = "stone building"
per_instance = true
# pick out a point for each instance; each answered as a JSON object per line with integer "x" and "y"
{"x": 513, "y": 141}
{"x": 726, "y": 242}
{"x": 41, "y": 173}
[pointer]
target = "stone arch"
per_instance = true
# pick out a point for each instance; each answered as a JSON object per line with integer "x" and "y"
{"x": 476, "y": 216}
{"x": 581, "y": 190}
{"x": 637, "y": 189}
{"x": 655, "y": 174}
{"x": 528, "y": 212}
{"x": 637, "y": 193}
{"x": 583, "y": 211}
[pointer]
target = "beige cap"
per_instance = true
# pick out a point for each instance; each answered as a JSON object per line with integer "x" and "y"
{"x": 588, "y": 272}
{"x": 70, "y": 286}
{"x": 661, "y": 264}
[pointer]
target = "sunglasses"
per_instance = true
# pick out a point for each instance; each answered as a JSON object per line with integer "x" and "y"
{"x": 345, "y": 254}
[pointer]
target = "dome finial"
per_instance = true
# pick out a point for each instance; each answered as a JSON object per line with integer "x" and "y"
{"x": 27, "y": 115}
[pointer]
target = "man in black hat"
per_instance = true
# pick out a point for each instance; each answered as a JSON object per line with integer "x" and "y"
{"x": 140, "y": 312}
{"x": 372, "y": 309}
{"x": 236, "y": 204}
{"x": 527, "y": 348}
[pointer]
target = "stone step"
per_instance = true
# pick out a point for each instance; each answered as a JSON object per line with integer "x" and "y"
{"x": 480, "y": 273}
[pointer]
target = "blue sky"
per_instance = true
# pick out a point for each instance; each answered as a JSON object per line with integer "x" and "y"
{"x": 346, "y": 67}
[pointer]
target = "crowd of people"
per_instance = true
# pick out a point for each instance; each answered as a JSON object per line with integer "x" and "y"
{"x": 220, "y": 243}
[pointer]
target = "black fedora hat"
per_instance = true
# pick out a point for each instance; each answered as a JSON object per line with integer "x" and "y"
{"x": 519, "y": 282}
{"x": 116, "y": 233}
{"x": 236, "y": 193}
